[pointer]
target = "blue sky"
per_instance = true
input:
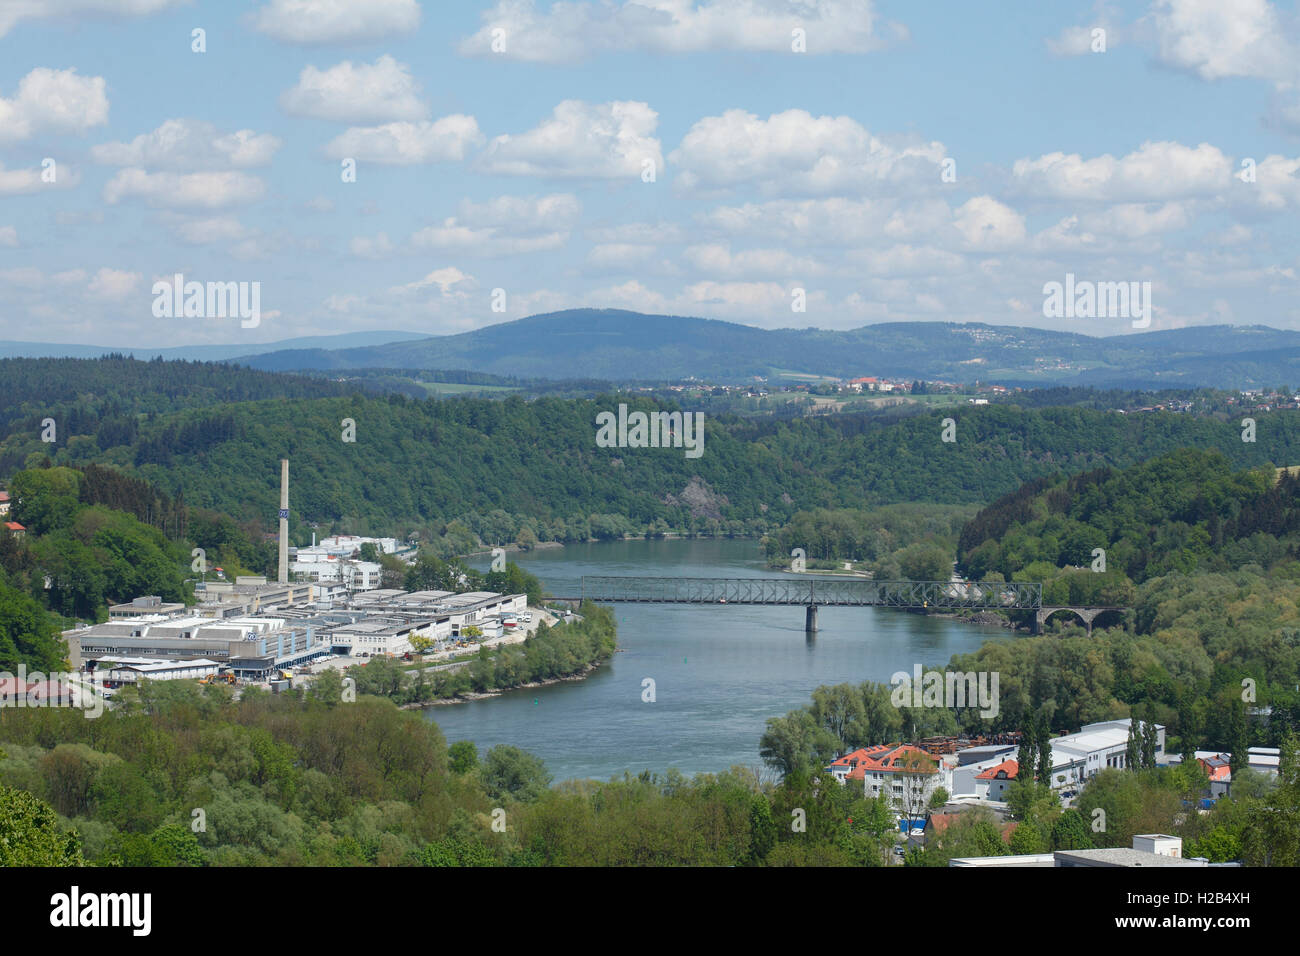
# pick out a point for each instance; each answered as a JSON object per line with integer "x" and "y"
{"x": 521, "y": 169}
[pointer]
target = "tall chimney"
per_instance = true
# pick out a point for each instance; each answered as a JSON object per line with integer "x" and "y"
{"x": 284, "y": 521}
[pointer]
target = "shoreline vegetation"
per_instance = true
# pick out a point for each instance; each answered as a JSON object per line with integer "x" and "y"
{"x": 562, "y": 652}
{"x": 582, "y": 675}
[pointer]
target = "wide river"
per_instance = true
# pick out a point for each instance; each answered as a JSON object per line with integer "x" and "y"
{"x": 720, "y": 671}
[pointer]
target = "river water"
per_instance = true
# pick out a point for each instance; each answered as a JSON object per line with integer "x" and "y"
{"x": 720, "y": 671}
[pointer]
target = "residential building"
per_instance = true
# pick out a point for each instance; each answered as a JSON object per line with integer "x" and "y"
{"x": 906, "y": 774}
{"x": 992, "y": 784}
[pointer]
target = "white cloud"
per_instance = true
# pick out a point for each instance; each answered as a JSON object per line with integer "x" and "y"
{"x": 504, "y": 225}
{"x": 197, "y": 190}
{"x": 1078, "y": 41}
{"x": 200, "y": 232}
{"x": 640, "y": 233}
{"x": 1277, "y": 183}
{"x": 363, "y": 247}
{"x": 523, "y": 213}
{"x": 581, "y": 141}
{"x": 13, "y": 12}
{"x": 450, "y": 282}
{"x": 1155, "y": 171}
{"x": 985, "y": 223}
{"x": 907, "y": 260}
{"x": 718, "y": 260}
{"x": 53, "y": 101}
{"x": 113, "y": 283}
{"x": 619, "y": 256}
{"x": 404, "y": 144}
{"x": 356, "y": 93}
{"x": 837, "y": 221}
{"x": 743, "y": 298}
{"x": 1216, "y": 40}
{"x": 797, "y": 153}
{"x": 452, "y": 236}
{"x": 188, "y": 144}
{"x": 1135, "y": 220}
{"x": 8, "y": 236}
{"x": 572, "y": 31}
{"x": 336, "y": 21}
{"x": 16, "y": 182}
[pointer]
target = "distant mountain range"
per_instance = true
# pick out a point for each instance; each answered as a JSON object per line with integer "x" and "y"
{"x": 202, "y": 353}
{"x": 622, "y": 346}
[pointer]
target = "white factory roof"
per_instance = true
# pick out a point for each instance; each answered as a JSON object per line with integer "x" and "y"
{"x": 147, "y": 665}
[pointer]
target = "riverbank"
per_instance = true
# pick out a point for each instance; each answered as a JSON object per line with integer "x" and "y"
{"x": 498, "y": 691}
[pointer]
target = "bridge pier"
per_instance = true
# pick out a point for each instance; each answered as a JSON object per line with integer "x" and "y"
{"x": 810, "y": 619}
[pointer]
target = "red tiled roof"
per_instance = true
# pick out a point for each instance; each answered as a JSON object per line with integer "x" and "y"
{"x": 14, "y": 526}
{"x": 1216, "y": 767}
{"x": 887, "y": 758}
{"x": 1008, "y": 768}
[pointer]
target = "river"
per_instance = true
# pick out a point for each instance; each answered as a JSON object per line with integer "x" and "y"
{"x": 720, "y": 671}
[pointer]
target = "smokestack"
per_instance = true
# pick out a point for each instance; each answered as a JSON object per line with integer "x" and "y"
{"x": 284, "y": 521}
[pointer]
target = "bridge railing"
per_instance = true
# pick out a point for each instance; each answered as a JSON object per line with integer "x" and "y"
{"x": 822, "y": 592}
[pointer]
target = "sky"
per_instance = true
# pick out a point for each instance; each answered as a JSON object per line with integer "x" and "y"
{"x": 394, "y": 164}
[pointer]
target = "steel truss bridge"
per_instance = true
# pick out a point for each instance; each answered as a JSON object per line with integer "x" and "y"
{"x": 811, "y": 593}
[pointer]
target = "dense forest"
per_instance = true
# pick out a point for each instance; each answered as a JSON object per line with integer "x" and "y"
{"x": 183, "y": 776}
{"x": 913, "y": 541}
{"x": 505, "y": 469}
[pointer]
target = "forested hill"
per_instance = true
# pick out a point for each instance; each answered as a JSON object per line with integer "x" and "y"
{"x": 82, "y": 395}
{"x": 617, "y": 345}
{"x": 1186, "y": 511}
{"x": 536, "y": 462}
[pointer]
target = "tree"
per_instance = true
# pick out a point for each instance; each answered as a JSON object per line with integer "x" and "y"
{"x": 1027, "y": 838}
{"x": 177, "y": 845}
{"x": 1027, "y": 753}
{"x": 1133, "y": 748}
{"x": 925, "y": 562}
{"x": 939, "y": 798}
{"x": 1273, "y": 836}
{"x": 27, "y": 634}
{"x": 463, "y": 756}
{"x": 1238, "y": 737}
{"x": 29, "y": 833}
{"x": 762, "y": 829}
{"x": 1044, "y": 765}
{"x": 1070, "y": 832}
{"x": 511, "y": 773}
{"x": 795, "y": 743}
{"x": 1149, "y": 740}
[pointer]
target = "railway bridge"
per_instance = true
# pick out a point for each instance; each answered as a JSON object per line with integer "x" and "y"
{"x": 814, "y": 592}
